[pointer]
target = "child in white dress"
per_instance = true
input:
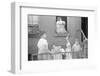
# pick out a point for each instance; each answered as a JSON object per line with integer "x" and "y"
{"x": 68, "y": 49}
{"x": 43, "y": 50}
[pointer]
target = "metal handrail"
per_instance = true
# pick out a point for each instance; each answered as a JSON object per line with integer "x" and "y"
{"x": 50, "y": 53}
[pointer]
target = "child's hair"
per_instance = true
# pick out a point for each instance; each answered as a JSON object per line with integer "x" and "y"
{"x": 43, "y": 33}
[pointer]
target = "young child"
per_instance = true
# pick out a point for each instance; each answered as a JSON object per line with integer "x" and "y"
{"x": 43, "y": 50}
{"x": 68, "y": 49}
{"x": 57, "y": 52}
{"x": 76, "y": 49}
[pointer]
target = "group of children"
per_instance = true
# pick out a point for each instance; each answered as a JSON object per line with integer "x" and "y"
{"x": 57, "y": 52}
{"x": 69, "y": 52}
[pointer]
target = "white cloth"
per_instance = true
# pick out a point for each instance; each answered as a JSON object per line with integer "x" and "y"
{"x": 42, "y": 45}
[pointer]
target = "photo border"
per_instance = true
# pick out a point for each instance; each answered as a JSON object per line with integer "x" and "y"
{"x": 16, "y": 36}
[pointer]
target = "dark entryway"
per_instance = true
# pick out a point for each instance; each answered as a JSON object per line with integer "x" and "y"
{"x": 84, "y": 27}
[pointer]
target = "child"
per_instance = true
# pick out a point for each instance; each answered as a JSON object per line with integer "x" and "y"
{"x": 56, "y": 52}
{"x": 44, "y": 53}
{"x": 68, "y": 49}
{"x": 76, "y": 49}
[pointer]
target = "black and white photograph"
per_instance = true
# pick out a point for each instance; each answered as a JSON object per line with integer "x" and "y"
{"x": 57, "y": 37}
{"x": 53, "y": 38}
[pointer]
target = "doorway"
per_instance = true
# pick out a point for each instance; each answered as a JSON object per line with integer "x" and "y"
{"x": 84, "y": 27}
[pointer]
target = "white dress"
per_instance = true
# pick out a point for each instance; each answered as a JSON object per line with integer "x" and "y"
{"x": 60, "y": 25}
{"x": 42, "y": 49}
{"x": 68, "y": 50}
